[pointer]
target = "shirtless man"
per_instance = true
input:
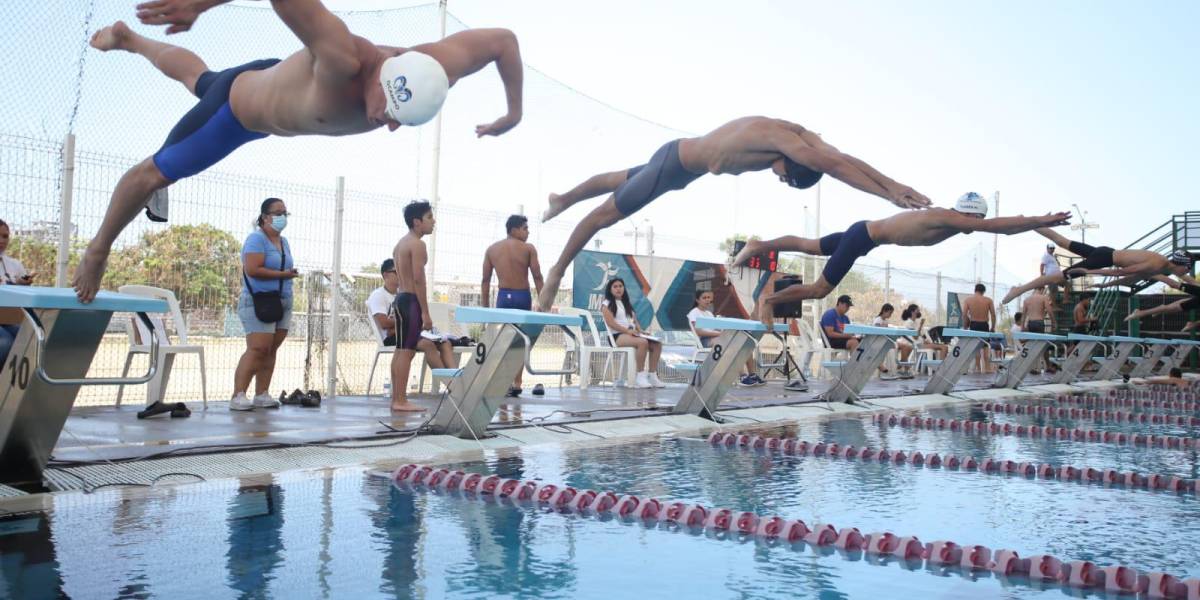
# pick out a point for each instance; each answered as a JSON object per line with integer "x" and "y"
{"x": 1129, "y": 265}
{"x": 798, "y": 156}
{"x": 514, "y": 260}
{"x": 1081, "y": 322}
{"x": 917, "y": 228}
{"x": 979, "y": 314}
{"x": 411, "y": 307}
{"x": 339, "y": 84}
{"x": 1038, "y": 311}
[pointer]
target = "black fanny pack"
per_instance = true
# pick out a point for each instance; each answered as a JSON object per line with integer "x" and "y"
{"x": 268, "y": 306}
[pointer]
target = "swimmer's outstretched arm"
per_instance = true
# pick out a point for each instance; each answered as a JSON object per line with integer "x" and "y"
{"x": 468, "y": 51}
{"x": 1006, "y": 225}
{"x": 829, "y": 161}
{"x": 1133, "y": 279}
{"x": 897, "y": 193}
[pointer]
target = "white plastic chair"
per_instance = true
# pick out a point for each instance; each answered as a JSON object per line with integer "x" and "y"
{"x": 442, "y": 314}
{"x": 380, "y": 349}
{"x": 589, "y": 344}
{"x": 832, "y": 353}
{"x": 139, "y": 343}
{"x": 700, "y": 352}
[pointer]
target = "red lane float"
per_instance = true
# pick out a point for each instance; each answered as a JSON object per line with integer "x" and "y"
{"x": 1102, "y": 416}
{"x": 1065, "y": 473}
{"x": 1117, "y": 578}
{"x": 1162, "y": 401}
{"x": 1169, "y": 442}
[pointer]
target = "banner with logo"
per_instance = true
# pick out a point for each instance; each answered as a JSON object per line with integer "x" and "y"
{"x": 662, "y": 290}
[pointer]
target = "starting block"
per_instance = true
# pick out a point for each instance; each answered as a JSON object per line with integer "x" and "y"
{"x": 1078, "y": 357}
{"x": 1156, "y": 349}
{"x": 1182, "y": 349}
{"x": 48, "y": 364}
{"x": 967, "y": 344}
{"x": 1033, "y": 346}
{"x": 1123, "y": 346}
{"x": 712, "y": 379}
{"x": 864, "y": 361}
{"x": 477, "y": 390}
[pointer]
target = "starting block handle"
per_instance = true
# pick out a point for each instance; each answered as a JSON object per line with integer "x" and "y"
{"x": 529, "y": 350}
{"x": 40, "y": 353}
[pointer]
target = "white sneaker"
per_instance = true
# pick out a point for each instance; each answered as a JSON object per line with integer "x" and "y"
{"x": 264, "y": 400}
{"x": 240, "y": 402}
{"x": 642, "y": 381}
{"x": 656, "y": 382}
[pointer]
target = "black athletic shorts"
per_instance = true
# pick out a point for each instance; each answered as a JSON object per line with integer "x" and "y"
{"x": 1094, "y": 257}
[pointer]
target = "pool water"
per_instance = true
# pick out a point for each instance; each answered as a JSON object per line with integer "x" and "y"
{"x": 350, "y": 533}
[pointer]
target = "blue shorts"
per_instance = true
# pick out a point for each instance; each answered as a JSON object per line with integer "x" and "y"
{"x": 518, "y": 299}
{"x": 663, "y": 173}
{"x": 250, "y": 322}
{"x": 843, "y": 249}
{"x": 208, "y": 132}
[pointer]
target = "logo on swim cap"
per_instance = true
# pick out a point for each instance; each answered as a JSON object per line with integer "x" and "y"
{"x": 972, "y": 204}
{"x": 400, "y": 93}
{"x": 1181, "y": 258}
{"x": 414, "y": 87}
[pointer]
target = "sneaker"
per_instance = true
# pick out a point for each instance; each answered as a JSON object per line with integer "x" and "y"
{"x": 796, "y": 385}
{"x": 642, "y": 381}
{"x": 539, "y": 390}
{"x": 747, "y": 381}
{"x": 758, "y": 380}
{"x": 264, "y": 400}
{"x": 240, "y": 402}
{"x": 656, "y": 382}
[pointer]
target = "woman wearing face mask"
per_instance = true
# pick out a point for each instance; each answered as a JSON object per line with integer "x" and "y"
{"x": 268, "y": 266}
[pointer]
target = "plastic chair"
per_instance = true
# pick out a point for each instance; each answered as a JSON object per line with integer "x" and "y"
{"x": 442, "y": 314}
{"x": 380, "y": 349}
{"x": 700, "y": 351}
{"x": 139, "y": 343}
{"x": 831, "y": 353}
{"x": 589, "y": 344}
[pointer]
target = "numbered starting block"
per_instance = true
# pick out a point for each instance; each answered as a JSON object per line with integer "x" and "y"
{"x": 967, "y": 344}
{"x": 1079, "y": 356}
{"x": 863, "y": 363}
{"x": 1174, "y": 361}
{"x": 738, "y": 340}
{"x": 1033, "y": 347}
{"x": 1123, "y": 347}
{"x": 1155, "y": 350}
{"x": 48, "y": 364}
{"x": 478, "y": 389}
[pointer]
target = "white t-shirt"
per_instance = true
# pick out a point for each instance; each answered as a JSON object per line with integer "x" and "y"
{"x": 619, "y": 315}
{"x": 696, "y": 313}
{"x": 1051, "y": 264}
{"x": 11, "y": 270}
{"x": 380, "y": 302}
{"x": 879, "y": 321}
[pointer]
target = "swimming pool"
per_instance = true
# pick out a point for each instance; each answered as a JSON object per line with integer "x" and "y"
{"x": 348, "y": 532}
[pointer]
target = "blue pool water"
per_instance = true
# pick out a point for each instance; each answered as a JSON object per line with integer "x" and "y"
{"x": 348, "y": 533}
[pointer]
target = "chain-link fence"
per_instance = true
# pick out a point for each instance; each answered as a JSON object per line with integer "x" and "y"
{"x": 119, "y": 108}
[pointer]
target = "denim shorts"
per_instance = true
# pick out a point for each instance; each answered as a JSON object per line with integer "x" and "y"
{"x": 251, "y": 324}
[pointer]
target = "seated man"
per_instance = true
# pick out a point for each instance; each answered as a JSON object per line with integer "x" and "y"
{"x": 379, "y": 307}
{"x": 1130, "y": 265}
{"x": 834, "y": 322}
{"x": 798, "y": 156}
{"x": 913, "y": 228}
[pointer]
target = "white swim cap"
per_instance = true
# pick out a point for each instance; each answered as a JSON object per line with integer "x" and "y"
{"x": 972, "y": 204}
{"x": 414, "y": 87}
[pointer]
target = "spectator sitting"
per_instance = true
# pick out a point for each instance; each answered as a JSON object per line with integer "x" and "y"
{"x": 903, "y": 345}
{"x": 702, "y": 307}
{"x": 621, "y": 321}
{"x": 12, "y": 272}
{"x": 914, "y": 320}
{"x": 438, "y": 355}
{"x": 834, "y": 322}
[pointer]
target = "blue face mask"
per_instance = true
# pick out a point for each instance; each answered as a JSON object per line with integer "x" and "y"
{"x": 279, "y": 222}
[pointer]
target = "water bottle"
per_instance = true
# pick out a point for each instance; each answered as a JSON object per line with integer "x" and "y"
{"x": 387, "y": 388}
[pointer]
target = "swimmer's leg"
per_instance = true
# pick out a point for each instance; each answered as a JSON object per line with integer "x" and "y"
{"x": 174, "y": 62}
{"x": 1054, "y": 236}
{"x": 596, "y": 185}
{"x": 605, "y": 215}
{"x": 129, "y": 198}
{"x": 787, "y": 243}
{"x": 1055, "y": 278}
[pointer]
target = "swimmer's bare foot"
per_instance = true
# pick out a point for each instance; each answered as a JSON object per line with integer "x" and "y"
{"x": 556, "y": 207}
{"x": 752, "y": 248}
{"x": 549, "y": 291}
{"x": 89, "y": 273}
{"x": 1190, "y": 326}
{"x": 112, "y": 37}
{"x": 406, "y": 407}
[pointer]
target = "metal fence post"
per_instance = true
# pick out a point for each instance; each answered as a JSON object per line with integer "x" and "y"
{"x": 66, "y": 197}
{"x": 938, "y": 296}
{"x": 335, "y": 287}
{"x": 887, "y": 281}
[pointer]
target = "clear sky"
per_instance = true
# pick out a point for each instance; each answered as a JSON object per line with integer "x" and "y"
{"x": 1049, "y": 103}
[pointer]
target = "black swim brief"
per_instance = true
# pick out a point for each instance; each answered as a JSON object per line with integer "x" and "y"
{"x": 843, "y": 249}
{"x": 979, "y": 326}
{"x": 1035, "y": 326}
{"x": 1094, "y": 257}
{"x": 406, "y": 309}
{"x": 663, "y": 173}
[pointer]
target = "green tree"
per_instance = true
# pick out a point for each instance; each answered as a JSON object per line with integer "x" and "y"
{"x": 199, "y": 263}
